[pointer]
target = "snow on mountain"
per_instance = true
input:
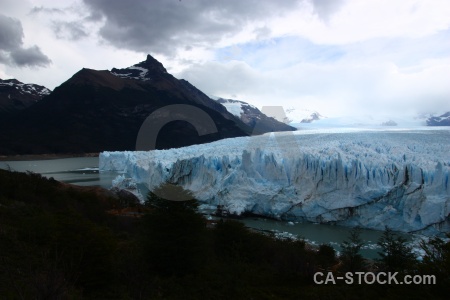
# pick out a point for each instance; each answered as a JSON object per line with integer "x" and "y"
{"x": 354, "y": 177}
{"x": 295, "y": 115}
{"x": 236, "y": 107}
{"x": 252, "y": 116}
{"x": 141, "y": 71}
{"x": 442, "y": 120}
{"x": 16, "y": 96}
{"x": 25, "y": 88}
{"x": 133, "y": 72}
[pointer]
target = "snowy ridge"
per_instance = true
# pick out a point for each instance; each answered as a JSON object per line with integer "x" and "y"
{"x": 235, "y": 107}
{"x": 252, "y": 116}
{"x": 133, "y": 72}
{"x": 26, "y": 88}
{"x": 398, "y": 178}
{"x": 143, "y": 71}
{"x": 295, "y": 116}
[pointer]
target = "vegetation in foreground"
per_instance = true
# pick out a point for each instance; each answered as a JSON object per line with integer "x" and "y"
{"x": 60, "y": 242}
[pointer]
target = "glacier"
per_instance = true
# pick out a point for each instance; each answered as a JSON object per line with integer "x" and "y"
{"x": 370, "y": 178}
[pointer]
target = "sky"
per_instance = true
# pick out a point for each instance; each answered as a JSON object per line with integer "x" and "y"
{"x": 339, "y": 57}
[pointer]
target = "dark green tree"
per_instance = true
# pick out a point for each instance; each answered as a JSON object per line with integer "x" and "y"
{"x": 352, "y": 260}
{"x": 170, "y": 197}
{"x": 395, "y": 254}
{"x": 437, "y": 258}
{"x": 326, "y": 256}
{"x": 436, "y": 261}
{"x": 174, "y": 236}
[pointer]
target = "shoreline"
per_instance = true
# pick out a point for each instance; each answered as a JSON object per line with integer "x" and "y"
{"x": 50, "y": 156}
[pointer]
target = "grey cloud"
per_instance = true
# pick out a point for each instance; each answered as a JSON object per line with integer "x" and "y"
{"x": 11, "y": 33}
{"x": 3, "y": 57}
{"x": 236, "y": 77}
{"x": 30, "y": 57}
{"x": 12, "y": 51}
{"x": 163, "y": 27}
{"x": 325, "y": 8}
{"x": 69, "y": 30}
{"x": 41, "y": 9}
{"x": 339, "y": 90}
{"x": 62, "y": 23}
{"x": 94, "y": 16}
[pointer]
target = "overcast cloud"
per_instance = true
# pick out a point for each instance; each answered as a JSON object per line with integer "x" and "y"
{"x": 340, "y": 57}
{"x": 164, "y": 27}
{"x": 11, "y": 46}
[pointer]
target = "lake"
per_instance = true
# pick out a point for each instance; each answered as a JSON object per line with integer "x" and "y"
{"x": 81, "y": 171}
{"x": 84, "y": 171}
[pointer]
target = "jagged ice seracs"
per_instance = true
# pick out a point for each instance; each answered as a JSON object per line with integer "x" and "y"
{"x": 353, "y": 177}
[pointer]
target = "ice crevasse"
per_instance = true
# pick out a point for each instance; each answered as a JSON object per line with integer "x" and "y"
{"x": 371, "y": 178}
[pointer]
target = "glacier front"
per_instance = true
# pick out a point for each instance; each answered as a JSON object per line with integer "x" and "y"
{"x": 354, "y": 177}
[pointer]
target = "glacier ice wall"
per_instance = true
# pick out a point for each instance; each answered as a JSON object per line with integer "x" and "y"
{"x": 370, "y": 179}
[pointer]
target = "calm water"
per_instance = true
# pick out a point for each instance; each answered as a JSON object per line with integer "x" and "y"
{"x": 317, "y": 234}
{"x": 78, "y": 170}
{"x": 84, "y": 171}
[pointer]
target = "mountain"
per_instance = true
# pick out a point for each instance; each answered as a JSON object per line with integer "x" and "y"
{"x": 442, "y": 120}
{"x": 389, "y": 123}
{"x": 295, "y": 116}
{"x": 102, "y": 110}
{"x": 16, "y": 95}
{"x": 252, "y": 116}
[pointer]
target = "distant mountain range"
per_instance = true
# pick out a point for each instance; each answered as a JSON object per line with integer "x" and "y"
{"x": 295, "y": 116}
{"x": 389, "y": 123}
{"x": 252, "y": 116}
{"x": 442, "y": 120}
{"x": 249, "y": 114}
{"x": 103, "y": 110}
{"x": 16, "y": 95}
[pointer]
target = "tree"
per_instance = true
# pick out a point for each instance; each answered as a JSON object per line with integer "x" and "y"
{"x": 437, "y": 256}
{"x": 174, "y": 237}
{"x": 161, "y": 198}
{"x": 395, "y": 254}
{"x": 352, "y": 260}
{"x": 326, "y": 256}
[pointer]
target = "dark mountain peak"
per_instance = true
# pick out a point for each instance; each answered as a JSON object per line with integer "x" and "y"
{"x": 152, "y": 64}
{"x": 144, "y": 71}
